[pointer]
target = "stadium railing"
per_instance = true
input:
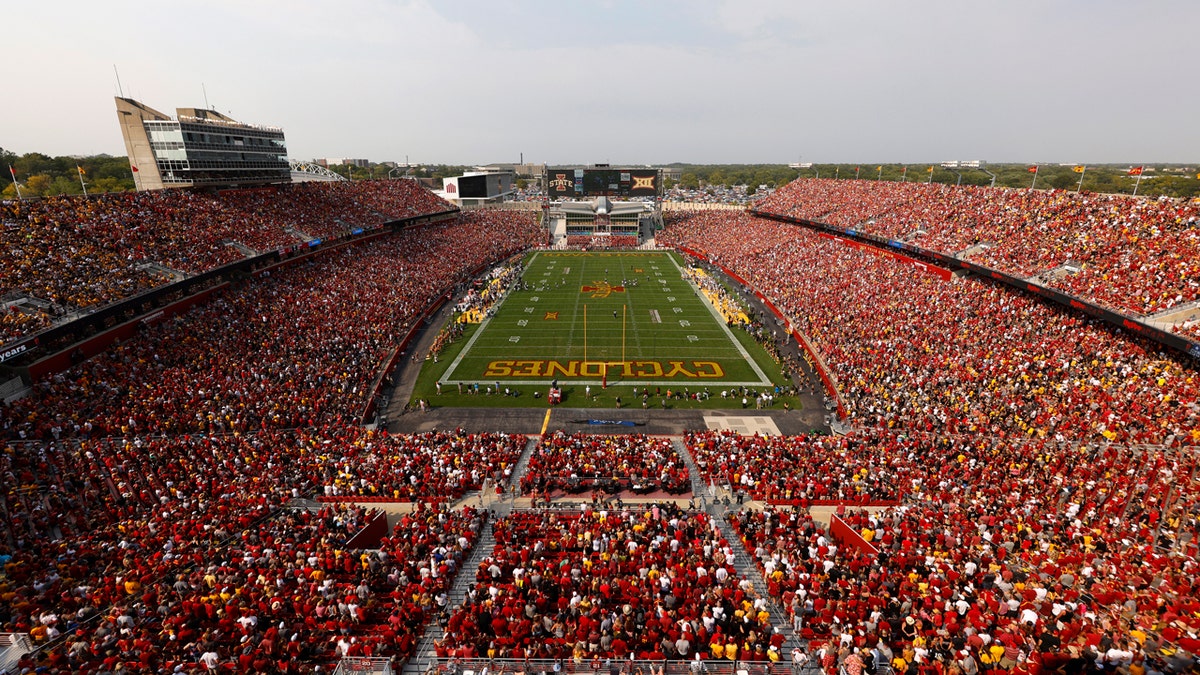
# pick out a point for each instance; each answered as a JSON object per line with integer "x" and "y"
{"x": 480, "y": 666}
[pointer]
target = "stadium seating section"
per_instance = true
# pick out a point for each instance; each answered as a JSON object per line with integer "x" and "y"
{"x": 72, "y": 253}
{"x": 911, "y": 351}
{"x": 1139, "y": 256}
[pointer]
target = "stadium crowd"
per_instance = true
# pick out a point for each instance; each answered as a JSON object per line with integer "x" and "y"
{"x": 1014, "y": 557}
{"x": 911, "y": 351}
{"x": 802, "y": 470}
{"x": 428, "y": 467}
{"x": 585, "y": 241}
{"x": 75, "y": 252}
{"x": 282, "y": 595}
{"x": 296, "y": 349}
{"x": 1140, "y": 256}
{"x": 111, "y": 525}
{"x": 651, "y": 584}
{"x": 145, "y": 489}
{"x": 577, "y": 462}
{"x": 129, "y": 477}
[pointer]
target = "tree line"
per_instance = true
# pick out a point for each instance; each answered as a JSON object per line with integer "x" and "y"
{"x": 1171, "y": 180}
{"x": 42, "y": 176}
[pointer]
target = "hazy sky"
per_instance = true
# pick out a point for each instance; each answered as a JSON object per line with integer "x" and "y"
{"x": 707, "y": 81}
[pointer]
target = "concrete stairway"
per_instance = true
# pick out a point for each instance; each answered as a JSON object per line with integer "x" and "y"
{"x": 424, "y": 655}
{"x": 743, "y": 560}
{"x": 746, "y": 568}
{"x": 699, "y": 489}
{"x": 500, "y": 506}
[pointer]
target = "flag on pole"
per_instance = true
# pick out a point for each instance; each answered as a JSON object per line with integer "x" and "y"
{"x": 879, "y": 168}
{"x": 931, "y": 169}
{"x": 133, "y": 167}
{"x": 14, "y": 173}
{"x": 1136, "y": 171}
{"x": 81, "y": 171}
{"x": 1079, "y": 168}
{"x": 1032, "y": 169}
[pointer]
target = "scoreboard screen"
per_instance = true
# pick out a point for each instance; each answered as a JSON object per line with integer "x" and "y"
{"x": 475, "y": 187}
{"x": 579, "y": 183}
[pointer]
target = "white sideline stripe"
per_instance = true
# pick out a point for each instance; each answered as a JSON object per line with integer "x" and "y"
{"x": 764, "y": 380}
{"x": 479, "y": 331}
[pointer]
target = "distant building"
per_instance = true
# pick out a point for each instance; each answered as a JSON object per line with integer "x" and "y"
{"x": 199, "y": 148}
{"x": 519, "y": 170}
{"x": 344, "y": 161}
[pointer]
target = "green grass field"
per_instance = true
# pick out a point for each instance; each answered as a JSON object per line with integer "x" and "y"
{"x": 617, "y": 317}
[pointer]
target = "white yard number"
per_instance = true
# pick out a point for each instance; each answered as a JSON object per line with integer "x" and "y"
{"x": 522, "y": 322}
{"x": 684, "y": 323}
{"x": 515, "y": 338}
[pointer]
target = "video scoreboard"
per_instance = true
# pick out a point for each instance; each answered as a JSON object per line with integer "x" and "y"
{"x": 572, "y": 183}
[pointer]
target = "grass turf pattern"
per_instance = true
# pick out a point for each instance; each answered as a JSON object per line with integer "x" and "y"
{"x": 621, "y": 317}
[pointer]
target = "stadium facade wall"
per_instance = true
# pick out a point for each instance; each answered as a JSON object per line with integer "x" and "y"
{"x": 82, "y": 351}
{"x": 846, "y": 534}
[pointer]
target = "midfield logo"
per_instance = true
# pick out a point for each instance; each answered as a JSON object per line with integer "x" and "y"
{"x": 602, "y": 289}
{"x": 551, "y": 316}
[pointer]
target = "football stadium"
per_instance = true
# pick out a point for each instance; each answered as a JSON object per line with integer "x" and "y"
{"x": 259, "y": 418}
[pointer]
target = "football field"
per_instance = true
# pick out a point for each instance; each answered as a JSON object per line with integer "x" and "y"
{"x": 628, "y": 317}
